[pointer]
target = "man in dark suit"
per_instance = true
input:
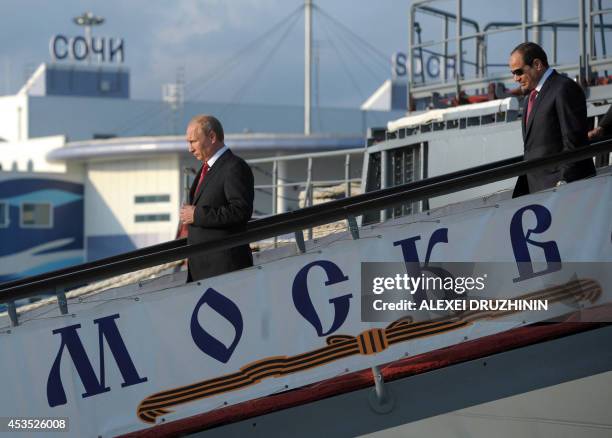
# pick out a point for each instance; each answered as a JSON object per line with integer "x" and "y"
{"x": 221, "y": 200}
{"x": 554, "y": 119}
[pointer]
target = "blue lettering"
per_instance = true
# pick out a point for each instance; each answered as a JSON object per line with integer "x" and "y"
{"x": 205, "y": 341}
{"x": 413, "y": 263}
{"x": 116, "y": 50}
{"x": 55, "y": 54}
{"x": 433, "y": 66}
{"x": 399, "y": 64}
{"x": 521, "y": 242}
{"x": 107, "y": 329}
{"x": 98, "y": 50}
{"x": 450, "y": 67}
{"x": 303, "y": 303}
{"x": 83, "y": 53}
{"x": 409, "y": 249}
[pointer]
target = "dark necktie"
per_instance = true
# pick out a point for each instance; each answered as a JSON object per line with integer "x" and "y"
{"x": 202, "y": 175}
{"x": 531, "y": 102}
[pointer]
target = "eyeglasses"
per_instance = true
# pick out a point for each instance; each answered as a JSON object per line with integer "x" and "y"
{"x": 518, "y": 72}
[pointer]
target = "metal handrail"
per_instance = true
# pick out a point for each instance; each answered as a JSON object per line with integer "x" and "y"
{"x": 291, "y": 221}
{"x": 294, "y": 157}
{"x": 584, "y": 23}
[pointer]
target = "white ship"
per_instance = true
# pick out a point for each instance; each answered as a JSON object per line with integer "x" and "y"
{"x": 298, "y": 344}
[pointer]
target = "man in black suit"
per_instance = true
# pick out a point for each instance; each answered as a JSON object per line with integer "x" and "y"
{"x": 221, "y": 200}
{"x": 554, "y": 119}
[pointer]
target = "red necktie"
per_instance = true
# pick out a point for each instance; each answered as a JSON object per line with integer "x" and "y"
{"x": 202, "y": 175}
{"x": 530, "y": 102}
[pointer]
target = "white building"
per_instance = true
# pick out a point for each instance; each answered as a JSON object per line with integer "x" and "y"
{"x": 130, "y": 156}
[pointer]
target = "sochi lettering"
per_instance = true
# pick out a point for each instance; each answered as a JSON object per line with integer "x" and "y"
{"x": 79, "y": 48}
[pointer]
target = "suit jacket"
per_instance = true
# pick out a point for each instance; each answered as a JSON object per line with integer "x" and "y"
{"x": 223, "y": 206}
{"x": 557, "y": 123}
{"x": 606, "y": 122}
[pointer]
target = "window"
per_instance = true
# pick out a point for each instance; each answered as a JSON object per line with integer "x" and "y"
{"x": 36, "y": 215}
{"x": 4, "y": 219}
{"x": 403, "y": 170}
{"x": 146, "y": 199}
{"x": 159, "y": 217}
{"x": 102, "y": 136}
{"x": 372, "y": 184}
{"x": 105, "y": 85}
{"x": 487, "y": 118}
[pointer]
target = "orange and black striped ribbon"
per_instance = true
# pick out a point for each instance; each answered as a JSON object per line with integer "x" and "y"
{"x": 370, "y": 342}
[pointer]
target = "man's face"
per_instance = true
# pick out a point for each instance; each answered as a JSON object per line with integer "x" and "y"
{"x": 526, "y": 75}
{"x": 201, "y": 146}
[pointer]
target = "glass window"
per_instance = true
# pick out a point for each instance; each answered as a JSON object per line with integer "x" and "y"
{"x": 146, "y": 199}
{"x": 36, "y": 215}
{"x": 402, "y": 167}
{"x": 403, "y": 171}
{"x": 159, "y": 217}
{"x": 372, "y": 184}
{"x": 4, "y": 219}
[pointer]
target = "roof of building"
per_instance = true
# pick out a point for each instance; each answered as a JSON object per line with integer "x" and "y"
{"x": 251, "y": 142}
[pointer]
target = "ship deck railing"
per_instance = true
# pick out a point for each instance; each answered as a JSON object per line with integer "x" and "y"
{"x": 60, "y": 281}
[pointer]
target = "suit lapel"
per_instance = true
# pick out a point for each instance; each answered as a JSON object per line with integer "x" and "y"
{"x": 524, "y": 121}
{"x": 541, "y": 96}
{"x": 214, "y": 170}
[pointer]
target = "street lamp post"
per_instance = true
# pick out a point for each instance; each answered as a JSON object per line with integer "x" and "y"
{"x": 87, "y": 20}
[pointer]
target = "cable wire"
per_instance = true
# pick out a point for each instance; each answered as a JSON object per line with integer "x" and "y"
{"x": 344, "y": 65}
{"x": 359, "y": 57}
{"x": 209, "y": 76}
{"x": 362, "y": 41}
{"x": 236, "y": 98}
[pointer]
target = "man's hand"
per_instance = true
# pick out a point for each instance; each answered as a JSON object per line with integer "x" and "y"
{"x": 186, "y": 214}
{"x": 595, "y": 133}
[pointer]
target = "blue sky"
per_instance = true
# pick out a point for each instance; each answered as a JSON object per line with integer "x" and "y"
{"x": 202, "y": 36}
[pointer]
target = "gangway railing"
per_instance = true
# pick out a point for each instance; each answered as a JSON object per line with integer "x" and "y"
{"x": 60, "y": 281}
{"x": 280, "y": 182}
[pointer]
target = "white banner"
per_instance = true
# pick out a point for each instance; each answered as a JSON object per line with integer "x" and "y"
{"x": 130, "y": 358}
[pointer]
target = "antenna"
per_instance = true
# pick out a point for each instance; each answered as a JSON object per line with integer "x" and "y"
{"x": 87, "y": 20}
{"x": 307, "y": 63}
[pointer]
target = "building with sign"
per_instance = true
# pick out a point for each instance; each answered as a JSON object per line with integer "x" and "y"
{"x": 74, "y": 123}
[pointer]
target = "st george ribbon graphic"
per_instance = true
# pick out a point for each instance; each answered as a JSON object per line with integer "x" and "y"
{"x": 370, "y": 342}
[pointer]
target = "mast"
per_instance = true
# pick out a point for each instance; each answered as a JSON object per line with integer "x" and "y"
{"x": 537, "y": 17}
{"x": 307, "y": 63}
